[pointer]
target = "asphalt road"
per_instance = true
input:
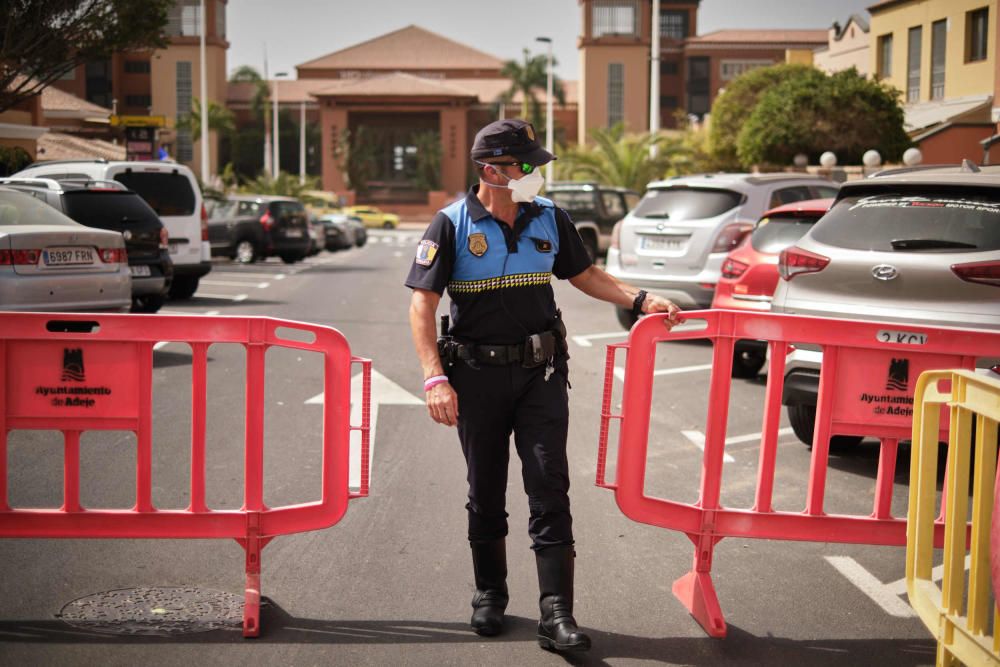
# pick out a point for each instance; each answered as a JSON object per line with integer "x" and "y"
{"x": 391, "y": 583}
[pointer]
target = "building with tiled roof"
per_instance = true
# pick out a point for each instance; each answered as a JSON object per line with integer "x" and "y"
{"x": 847, "y": 45}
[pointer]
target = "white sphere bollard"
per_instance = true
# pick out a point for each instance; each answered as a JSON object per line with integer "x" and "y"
{"x": 801, "y": 160}
{"x": 912, "y": 156}
{"x": 828, "y": 160}
{"x": 871, "y": 158}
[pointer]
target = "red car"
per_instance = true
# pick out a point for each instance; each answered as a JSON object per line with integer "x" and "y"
{"x": 750, "y": 271}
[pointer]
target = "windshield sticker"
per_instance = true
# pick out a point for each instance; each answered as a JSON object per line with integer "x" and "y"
{"x": 883, "y": 201}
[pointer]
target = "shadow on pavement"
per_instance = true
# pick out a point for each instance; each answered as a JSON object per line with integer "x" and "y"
{"x": 740, "y": 647}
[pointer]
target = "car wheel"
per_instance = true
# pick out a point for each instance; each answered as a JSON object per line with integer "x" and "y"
{"x": 183, "y": 287}
{"x": 289, "y": 258}
{"x": 387, "y": 225}
{"x": 246, "y": 252}
{"x": 802, "y": 417}
{"x": 361, "y": 239}
{"x": 147, "y": 303}
{"x": 747, "y": 363}
{"x": 626, "y": 318}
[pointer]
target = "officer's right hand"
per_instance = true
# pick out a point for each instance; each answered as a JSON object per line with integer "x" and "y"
{"x": 442, "y": 404}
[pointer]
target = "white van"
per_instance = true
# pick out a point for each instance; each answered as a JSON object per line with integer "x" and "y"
{"x": 171, "y": 190}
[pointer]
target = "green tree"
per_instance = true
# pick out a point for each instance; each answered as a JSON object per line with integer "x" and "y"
{"x": 428, "y": 168}
{"x": 732, "y": 108}
{"x": 42, "y": 41}
{"x": 526, "y": 77}
{"x": 285, "y": 184}
{"x": 220, "y": 119}
{"x": 621, "y": 159}
{"x": 818, "y": 112}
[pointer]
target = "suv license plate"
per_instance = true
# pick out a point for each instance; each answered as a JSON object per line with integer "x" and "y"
{"x": 901, "y": 337}
{"x": 662, "y": 242}
{"x": 293, "y": 233}
{"x": 67, "y": 256}
{"x": 140, "y": 270}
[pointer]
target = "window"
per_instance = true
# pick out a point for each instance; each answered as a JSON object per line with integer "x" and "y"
{"x": 668, "y": 101}
{"x": 678, "y": 204}
{"x": 98, "y": 84}
{"x": 789, "y": 195}
{"x": 913, "y": 64}
{"x": 616, "y": 93}
{"x": 884, "y": 67}
{"x": 183, "y": 19}
{"x": 774, "y": 234}
{"x": 220, "y": 19}
{"x": 730, "y": 69}
{"x": 107, "y": 210}
{"x": 185, "y": 151}
{"x": 613, "y": 204}
{"x": 698, "y": 85}
{"x": 138, "y": 101}
{"x": 668, "y": 68}
{"x": 674, "y": 24}
{"x": 615, "y": 17}
{"x": 68, "y": 76}
{"x": 939, "y": 36}
{"x": 137, "y": 66}
{"x": 976, "y": 30}
{"x": 166, "y": 193}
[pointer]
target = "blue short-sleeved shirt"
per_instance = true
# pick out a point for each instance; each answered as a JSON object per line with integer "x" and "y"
{"x": 498, "y": 277}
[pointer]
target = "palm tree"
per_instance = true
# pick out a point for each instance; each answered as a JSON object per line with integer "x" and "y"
{"x": 247, "y": 74}
{"x": 220, "y": 119}
{"x": 621, "y": 159}
{"x": 527, "y": 77}
{"x": 286, "y": 185}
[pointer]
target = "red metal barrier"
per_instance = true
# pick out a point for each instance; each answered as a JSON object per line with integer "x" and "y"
{"x": 79, "y": 373}
{"x": 853, "y": 399}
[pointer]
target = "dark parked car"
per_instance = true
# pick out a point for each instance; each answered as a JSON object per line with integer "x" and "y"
{"x": 246, "y": 228}
{"x": 594, "y": 210}
{"x": 110, "y": 205}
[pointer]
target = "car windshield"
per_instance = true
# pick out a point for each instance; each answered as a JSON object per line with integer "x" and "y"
{"x": 776, "y": 233}
{"x": 573, "y": 200}
{"x": 21, "y": 209}
{"x": 683, "y": 203}
{"x": 167, "y": 193}
{"x": 948, "y": 220}
{"x": 107, "y": 209}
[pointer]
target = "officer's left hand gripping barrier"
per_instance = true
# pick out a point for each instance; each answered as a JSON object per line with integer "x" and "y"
{"x": 853, "y": 399}
{"x": 79, "y": 373}
{"x": 961, "y": 636}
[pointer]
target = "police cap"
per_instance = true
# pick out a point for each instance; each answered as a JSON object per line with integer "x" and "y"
{"x": 513, "y": 137}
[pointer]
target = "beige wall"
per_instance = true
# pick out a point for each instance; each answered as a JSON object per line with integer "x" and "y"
{"x": 850, "y": 51}
{"x": 594, "y": 61}
{"x": 164, "y": 89}
{"x": 961, "y": 78}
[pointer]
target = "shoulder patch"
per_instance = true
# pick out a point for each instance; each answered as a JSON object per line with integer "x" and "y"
{"x": 426, "y": 252}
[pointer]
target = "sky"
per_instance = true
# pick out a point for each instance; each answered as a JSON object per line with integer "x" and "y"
{"x": 295, "y": 31}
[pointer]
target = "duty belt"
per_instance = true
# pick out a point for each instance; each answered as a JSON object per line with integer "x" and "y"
{"x": 528, "y": 354}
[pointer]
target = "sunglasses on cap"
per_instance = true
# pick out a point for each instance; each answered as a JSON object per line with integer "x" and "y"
{"x": 523, "y": 166}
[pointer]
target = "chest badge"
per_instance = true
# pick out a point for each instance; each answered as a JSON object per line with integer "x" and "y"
{"x": 542, "y": 245}
{"x": 477, "y": 244}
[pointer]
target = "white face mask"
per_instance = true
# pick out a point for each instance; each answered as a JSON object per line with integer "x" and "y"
{"x": 524, "y": 189}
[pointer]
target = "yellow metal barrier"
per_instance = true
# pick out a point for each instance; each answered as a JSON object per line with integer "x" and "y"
{"x": 960, "y": 637}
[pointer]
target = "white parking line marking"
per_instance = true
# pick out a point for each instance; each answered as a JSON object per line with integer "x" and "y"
{"x": 620, "y": 370}
{"x": 697, "y": 438}
{"x": 235, "y": 283}
{"x": 584, "y": 341}
{"x": 224, "y": 297}
{"x": 162, "y": 344}
{"x": 883, "y": 595}
{"x": 248, "y": 274}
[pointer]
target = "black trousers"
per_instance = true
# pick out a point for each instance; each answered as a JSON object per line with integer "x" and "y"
{"x": 493, "y": 402}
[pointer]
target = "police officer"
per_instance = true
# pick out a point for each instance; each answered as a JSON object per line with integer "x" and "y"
{"x": 501, "y": 368}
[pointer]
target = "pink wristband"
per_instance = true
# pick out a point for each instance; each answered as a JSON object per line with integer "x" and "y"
{"x": 434, "y": 381}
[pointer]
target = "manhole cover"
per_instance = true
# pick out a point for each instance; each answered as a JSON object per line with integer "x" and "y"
{"x": 157, "y": 611}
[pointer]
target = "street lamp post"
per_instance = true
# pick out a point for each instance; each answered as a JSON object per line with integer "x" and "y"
{"x": 302, "y": 142}
{"x": 203, "y": 77}
{"x": 277, "y": 140}
{"x": 549, "y": 131}
{"x": 654, "y": 78}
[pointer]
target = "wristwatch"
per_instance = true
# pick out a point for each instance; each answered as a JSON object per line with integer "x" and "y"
{"x": 640, "y": 298}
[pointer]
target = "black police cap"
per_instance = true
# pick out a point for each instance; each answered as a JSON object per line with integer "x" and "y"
{"x": 513, "y": 137}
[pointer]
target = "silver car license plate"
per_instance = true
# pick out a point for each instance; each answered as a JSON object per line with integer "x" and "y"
{"x": 901, "y": 337}
{"x": 68, "y": 256}
{"x": 663, "y": 242}
{"x": 140, "y": 270}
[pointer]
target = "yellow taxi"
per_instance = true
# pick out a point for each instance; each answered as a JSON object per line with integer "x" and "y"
{"x": 373, "y": 217}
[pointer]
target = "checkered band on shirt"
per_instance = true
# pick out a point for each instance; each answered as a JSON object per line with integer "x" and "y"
{"x": 499, "y": 282}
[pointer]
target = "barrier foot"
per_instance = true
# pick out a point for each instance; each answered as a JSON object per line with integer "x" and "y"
{"x": 696, "y": 592}
{"x": 251, "y": 606}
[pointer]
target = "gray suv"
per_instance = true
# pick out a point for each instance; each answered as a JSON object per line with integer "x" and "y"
{"x": 675, "y": 241}
{"x": 912, "y": 247}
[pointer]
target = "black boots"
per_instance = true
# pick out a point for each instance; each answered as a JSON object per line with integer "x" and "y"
{"x": 489, "y": 562}
{"x": 557, "y": 629}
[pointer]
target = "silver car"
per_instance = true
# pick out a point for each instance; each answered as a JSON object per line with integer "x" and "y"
{"x": 48, "y": 262}
{"x": 913, "y": 247}
{"x": 675, "y": 241}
